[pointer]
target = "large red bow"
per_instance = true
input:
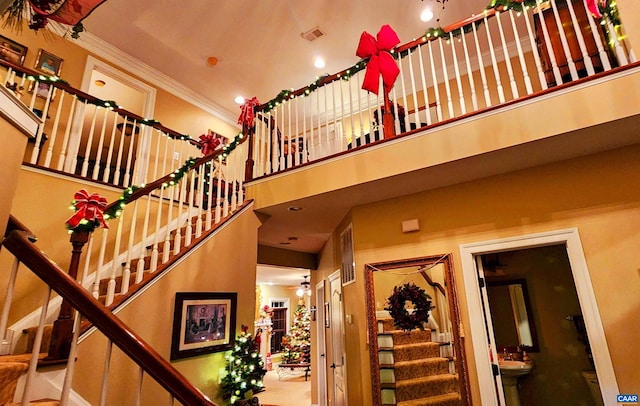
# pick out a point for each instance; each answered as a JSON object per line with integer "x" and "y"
{"x": 210, "y": 142}
{"x": 247, "y": 115}
{"x": 88, "y": 208}
{"x": 69, "y": 12}
{"x": 380, "y": 60}
{"x": 592, "y": 5}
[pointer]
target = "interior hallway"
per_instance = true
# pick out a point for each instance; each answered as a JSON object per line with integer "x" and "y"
{"x": 290, "y": 390}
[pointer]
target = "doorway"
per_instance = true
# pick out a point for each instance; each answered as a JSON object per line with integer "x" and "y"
{"x": 566, "y": 246}
{"x": 337, "y": 339}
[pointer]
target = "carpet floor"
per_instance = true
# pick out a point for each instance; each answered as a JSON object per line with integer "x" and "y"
{"x": 289, "y": 390}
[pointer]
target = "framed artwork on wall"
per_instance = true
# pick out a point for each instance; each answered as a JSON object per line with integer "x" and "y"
{"x": 203, "y": 323}
{"x": 48, "y": 63}
{"x": 11, "y": 51}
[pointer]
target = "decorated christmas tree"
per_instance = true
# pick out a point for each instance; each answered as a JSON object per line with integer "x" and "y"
{"x": 245, "y": 369}
{"x": 296, "y": 344}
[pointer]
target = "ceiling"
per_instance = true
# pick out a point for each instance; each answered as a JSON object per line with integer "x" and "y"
{"x": 258, "y": 44}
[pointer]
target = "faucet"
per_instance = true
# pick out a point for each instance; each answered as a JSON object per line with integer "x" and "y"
{"x": 506, "y": 355}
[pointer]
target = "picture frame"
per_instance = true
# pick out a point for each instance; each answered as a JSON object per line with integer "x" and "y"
{"x": 48, "y": 63}
{"x": 42, "y": 91}
{"x": 327, "y": 316}
{"x": 12, "y": 51}
{"x": 203, "y": 323}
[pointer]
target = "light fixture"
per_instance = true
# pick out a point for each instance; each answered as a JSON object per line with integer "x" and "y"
{"x": 304, "y": 287}
{"x": 319, "y": 62}
{"x": 426, "y": 15}
{"x": 100, "y": 83}
{"x": 212, "y": 61}
{"x": 239, "y": 100}
{"x": 295, "y": 208}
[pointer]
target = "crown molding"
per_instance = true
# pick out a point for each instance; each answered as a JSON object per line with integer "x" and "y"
{"x": 127, "y": 62}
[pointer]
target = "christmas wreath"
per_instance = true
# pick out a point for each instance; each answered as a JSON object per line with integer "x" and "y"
{"x": 397, "y": 306}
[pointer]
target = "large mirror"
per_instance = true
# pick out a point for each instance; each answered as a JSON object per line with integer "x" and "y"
{"x": 419, "y": 365}
{"x": 513, "y": 324}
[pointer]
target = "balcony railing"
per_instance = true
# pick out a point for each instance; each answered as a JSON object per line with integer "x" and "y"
{"x": 498, "y": 56}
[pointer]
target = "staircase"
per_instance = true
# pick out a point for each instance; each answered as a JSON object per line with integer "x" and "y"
{"x": 413, "y": 370}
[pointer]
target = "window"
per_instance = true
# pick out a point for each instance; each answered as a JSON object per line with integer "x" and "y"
{"x": 346, "y": 252}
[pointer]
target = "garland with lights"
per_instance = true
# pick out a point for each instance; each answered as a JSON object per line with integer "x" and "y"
{"x": 397, "y": 306}
{"x": 89, "y": 212}
{"x": 245, "y": 369}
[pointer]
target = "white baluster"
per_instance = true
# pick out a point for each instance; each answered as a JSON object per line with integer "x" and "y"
{"x": 157, "y": 238}
{"x": 98, "y": 274}
{"x": 483, "y": 75}
{"x": 436, "y": 86}
{"x": 564, "y": 42}
{"x": 456, "y": 68}
{"x": 359, "y": 80}
{"x": 45, "y": 110}
{"x": 116, "y": 175}
{"x": 583, "y": 47}
{"x": 177, "y": 244}
{"x": 534, "y": 49}
{"x": 115, "y": 263}
{"x": 132, "y": 144}
{"x": 126, "y": 273}
{"x": 290, "y": 137}
{"x": 595, "y": 32}
{"x": 143, "y": 241}
{"x": 425, "y": 89}
{"x": 192, "y": 187}
{"x": 446, "y": 79}
{"x": 620, "y": 53}
{"x": 404, "y": 102}
{"x": 112, "y": 140}
{"x": 297, "y": 136}
{"x": 171, "y": 195}
{"x": 472, "y": 85}
{"x": 210, "y": 198}
{"x": 351, "y": 111}
{"x": 548, "y": 45}
{"x": 104, "y": 388}
{"x": 200, "y": 195}
{"x": 54, "y": 131}
{"x": 523, "y": 63}
{"x": 4, "y": 318}
{"x": 494, "y": 62}
{"x": 37, "y": 342}
{"x": 96, "y": 167}
{"x": 219, "y": 189}
{"x": 305, "y": 146}
{"x": 507, "y": 57}
{"x": 87, "y": 150}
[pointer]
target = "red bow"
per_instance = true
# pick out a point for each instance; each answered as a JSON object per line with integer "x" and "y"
{"x": 380, "y": 60}
{"x": 88, "y": 208}
{"x": 210, "y": 142}
{"x": 592, "y": 5}
{"x": 69, "y": 12}
{"x": 247, "y": 114}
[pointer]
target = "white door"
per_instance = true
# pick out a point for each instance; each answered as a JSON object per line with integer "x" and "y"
{"x": 321, "y": 345}
{"x": 337, "y": 340}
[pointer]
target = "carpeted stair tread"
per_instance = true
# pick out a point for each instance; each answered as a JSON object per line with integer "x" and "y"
{"x": 423, "y": 387}
{"x": 448, "y": 399}
{"x": 104, "y": 283}
{"x": 43, "y": 402}
{"x": 404, "y": 370}
{"x": 10, "y": 372}
{"x": 408, "y": 352}
{"x": 403, "y": 337}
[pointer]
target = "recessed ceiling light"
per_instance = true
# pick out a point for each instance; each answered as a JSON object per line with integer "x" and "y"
{"x": 212, "y": 61}
{"x": 319, "y": 62}
{"x": 239, "y": 100}
{"x": 295, "y": 208}
{"x": 426, "y": 15}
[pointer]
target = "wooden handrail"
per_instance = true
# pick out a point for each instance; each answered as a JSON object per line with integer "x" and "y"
{"x": 432, "y": 283}
{"x": 18, "y": 243}
{"x": 15, "y": 224}
{"x": 79, "y": 93}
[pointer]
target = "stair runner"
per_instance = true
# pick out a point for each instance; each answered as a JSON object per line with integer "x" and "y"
{"x": 412, "y": 370}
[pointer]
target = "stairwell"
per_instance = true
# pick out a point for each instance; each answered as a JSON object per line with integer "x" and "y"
{"x": 413, "y": 370}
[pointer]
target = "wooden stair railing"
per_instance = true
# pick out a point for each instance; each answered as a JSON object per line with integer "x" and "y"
{"x": 19, "y": 243}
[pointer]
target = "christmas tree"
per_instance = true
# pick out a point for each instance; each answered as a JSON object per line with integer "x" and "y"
{"x": 296, "y": 344}
{"x": 245, "y": 368}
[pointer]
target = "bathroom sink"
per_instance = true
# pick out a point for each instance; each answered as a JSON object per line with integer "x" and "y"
{"x": 515, "y": 368}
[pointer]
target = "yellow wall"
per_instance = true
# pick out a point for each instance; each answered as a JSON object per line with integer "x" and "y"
{"x": 594, "y": 194}
{"x": 215, "y": 267}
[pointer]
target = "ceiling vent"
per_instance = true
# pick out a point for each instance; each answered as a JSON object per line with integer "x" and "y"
{"x": 312, "y": 34}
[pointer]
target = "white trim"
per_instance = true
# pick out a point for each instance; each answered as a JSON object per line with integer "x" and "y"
{"x": 114, "y": 55}
{"x": 102, "y": 67}
{"x": 321, "y": 344}
{"x": 571, "y": 239}
{"x": 287, "y": 305}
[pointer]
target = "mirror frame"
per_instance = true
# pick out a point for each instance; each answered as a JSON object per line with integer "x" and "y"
{"x": 535, "y": 347}
{"x": 452, "y": 298}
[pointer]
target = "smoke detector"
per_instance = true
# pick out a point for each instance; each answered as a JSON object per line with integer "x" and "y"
{"x": 313, "y": 34}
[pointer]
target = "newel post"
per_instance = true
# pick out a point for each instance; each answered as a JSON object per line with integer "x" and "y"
{"x": 388, "y": 115}
{"x": 248, "y": 168}
{"x": 62, "y": 332}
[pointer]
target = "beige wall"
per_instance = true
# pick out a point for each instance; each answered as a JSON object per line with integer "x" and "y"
{"x": 594, "y": 194}
{"x": 173, "y": 112}
{"x": 215, "y": 267}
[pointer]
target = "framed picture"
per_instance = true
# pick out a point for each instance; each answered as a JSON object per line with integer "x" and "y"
{"x": 327, "y": 316}
{"x": 203, "y": 322}
{"x": 48, "y": 63}
{"x": 42, "y": 91}
{"x": 12, "y": 51}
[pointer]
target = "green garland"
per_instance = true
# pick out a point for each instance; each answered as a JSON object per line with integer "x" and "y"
{"x": 397, "y": 306}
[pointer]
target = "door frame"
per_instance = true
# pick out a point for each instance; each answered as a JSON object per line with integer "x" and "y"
{"x": 570, "y": 238}
{"x": 321, "y": 346}
{"x": 336, "y": 277}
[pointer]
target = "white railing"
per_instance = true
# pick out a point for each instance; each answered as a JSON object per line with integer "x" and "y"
{"x": 495, "y": 57}
{"x": 92, "y": 138}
